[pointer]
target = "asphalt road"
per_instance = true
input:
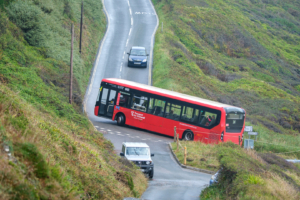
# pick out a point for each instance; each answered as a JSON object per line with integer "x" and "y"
{"x": 133, "y": 23}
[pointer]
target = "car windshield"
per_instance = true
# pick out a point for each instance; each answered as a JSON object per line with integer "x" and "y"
{"x": 138, "y": 52}
{"x": 140, "y": 151}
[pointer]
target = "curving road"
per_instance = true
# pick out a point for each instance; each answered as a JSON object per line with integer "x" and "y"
{"x": 133, "y": 23}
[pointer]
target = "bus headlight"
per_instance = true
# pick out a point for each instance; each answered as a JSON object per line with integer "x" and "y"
{"x": 145, "y": 60}
{"x": 129, "y": 59}
{"x": 148, "y": 162}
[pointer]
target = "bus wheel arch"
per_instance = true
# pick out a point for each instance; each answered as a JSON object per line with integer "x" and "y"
{"x": 120, "y": 117}
{"x": 188, "y": 135}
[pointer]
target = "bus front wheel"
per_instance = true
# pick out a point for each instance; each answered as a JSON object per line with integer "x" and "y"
{"x": 120, "y": 120}
{"x": 188, "y": 136}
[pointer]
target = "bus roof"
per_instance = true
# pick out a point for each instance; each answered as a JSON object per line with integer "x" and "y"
{"x": 164, "y": 92}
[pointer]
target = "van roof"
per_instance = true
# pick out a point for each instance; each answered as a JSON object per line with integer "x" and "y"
{"x": 135, "y": 144}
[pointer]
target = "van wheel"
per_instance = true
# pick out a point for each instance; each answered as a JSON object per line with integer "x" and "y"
{"x": 151, "y": 173}
{"x": 120, "y": 120}
{"x": 188, "y": 136}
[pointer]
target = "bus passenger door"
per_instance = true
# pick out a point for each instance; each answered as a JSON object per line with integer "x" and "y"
{"x": 107, "y": 102}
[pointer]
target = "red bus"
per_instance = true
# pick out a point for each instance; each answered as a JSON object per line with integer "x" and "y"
{"x": 159, "y": 110}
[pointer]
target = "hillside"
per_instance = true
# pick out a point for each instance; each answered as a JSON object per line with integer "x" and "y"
{"x": 243, "y": 53}
{"x": 49, "y": 149}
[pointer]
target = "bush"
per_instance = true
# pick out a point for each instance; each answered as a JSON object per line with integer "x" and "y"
{"x": 29, "y": 18}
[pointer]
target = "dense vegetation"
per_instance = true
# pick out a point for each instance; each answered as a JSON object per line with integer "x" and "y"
{"x": 242, "y": 53}
{"x": 245, "y": 174}
{"x": 49, "y": 150}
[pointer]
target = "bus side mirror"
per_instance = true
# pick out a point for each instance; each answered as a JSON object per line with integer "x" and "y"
{"x": 128, "y": 53}
{"x": 121, "y": 154}
{"x": 152, "y": 154}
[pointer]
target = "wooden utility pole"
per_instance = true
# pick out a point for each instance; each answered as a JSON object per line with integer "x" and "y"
{"x": 71, "y": 64}
{"x": 81, "y": 23}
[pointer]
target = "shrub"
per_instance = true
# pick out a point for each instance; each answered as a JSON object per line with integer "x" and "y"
{"x": 29, "y": 18}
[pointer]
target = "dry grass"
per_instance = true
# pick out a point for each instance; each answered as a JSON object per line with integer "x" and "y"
{"x": 254, "y": 155}
{"x": 280, "y": 188}
{"x": 199, "y": 155}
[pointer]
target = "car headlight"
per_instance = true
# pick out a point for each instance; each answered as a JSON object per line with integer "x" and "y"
{"x": 145, "y": 60}
{"x": 129, "y": 59}
{"x": 148, "y": 162}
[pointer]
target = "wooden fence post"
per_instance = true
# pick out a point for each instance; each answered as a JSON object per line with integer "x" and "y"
{"x": 177, "y": 141}
{"x": 174, "y": 133}
{"x": 185, "y": 155}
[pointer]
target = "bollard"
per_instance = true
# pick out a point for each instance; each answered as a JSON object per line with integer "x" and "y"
{"x": 174, "y": 133}
{"x": 184, "y": 155}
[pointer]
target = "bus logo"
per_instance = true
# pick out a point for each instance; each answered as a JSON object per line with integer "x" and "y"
{"x": 138, "y": 116}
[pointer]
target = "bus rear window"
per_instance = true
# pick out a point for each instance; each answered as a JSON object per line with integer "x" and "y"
{"x": 234, "y": 122}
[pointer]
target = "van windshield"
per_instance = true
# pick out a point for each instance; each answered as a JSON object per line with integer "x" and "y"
{"x": 140, "y": 151}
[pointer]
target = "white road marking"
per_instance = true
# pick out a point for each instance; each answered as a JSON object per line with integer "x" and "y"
{"x": 96, "y": 126}
{"x": 131, "y": 21}
{"x": 127, "y": 134}
{"x": 129, "y": 31}
{"x": 108, "y": 130}
{"x": 144, "y": 139}
{"x": 130, "y": 11}
{"x": 128, "y": 3}
{"x": 101, "y": 128}
{"x": 127, "y": 42}
{"x": 111, "y": 133}
{"x": 144, "y": 13}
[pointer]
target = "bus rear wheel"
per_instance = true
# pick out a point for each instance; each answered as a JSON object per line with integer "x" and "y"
{"x": 120, "y": 120}
{"x": 188, "y": 136}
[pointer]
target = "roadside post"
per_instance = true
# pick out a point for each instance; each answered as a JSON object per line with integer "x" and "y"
{"x": 185, "y": 155}
{"x": 174, "y": 133}
{"x": 177, "y": 139}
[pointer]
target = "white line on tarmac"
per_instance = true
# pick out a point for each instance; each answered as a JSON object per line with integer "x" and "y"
{"x": 131, "y": 21}
{"x": 130, "y": 31}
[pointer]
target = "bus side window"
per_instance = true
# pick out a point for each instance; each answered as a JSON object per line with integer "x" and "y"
{"x": 151, "y": 106}
{"x": 158, "y": 107}
{"x": 139, "y": 103}
{"x": 124, "y": 99}
{"x": 173, "y": 111}
{"x": 187, "y": 114}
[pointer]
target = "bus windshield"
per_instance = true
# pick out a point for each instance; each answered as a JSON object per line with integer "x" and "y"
{"x": 234, "y": 121}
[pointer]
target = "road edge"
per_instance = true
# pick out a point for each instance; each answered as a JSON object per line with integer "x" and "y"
{"x": 94, "y": 69}
{"x": 152, "y": 46}
{"x": 189, "y": 167}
